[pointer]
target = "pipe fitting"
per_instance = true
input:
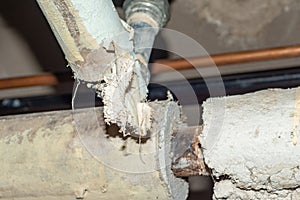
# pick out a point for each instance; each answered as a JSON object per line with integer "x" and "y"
{"x": 154, "y": 12}
{"x": 146, "y": 17}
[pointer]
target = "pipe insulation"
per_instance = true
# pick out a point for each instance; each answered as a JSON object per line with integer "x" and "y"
{"x": 250, "y": 142}
{"x": 99, "y": 48}
{"x": 68, "y": 155}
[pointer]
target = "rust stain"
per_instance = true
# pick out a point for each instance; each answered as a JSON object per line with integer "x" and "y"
{"x": 192, "y": 158}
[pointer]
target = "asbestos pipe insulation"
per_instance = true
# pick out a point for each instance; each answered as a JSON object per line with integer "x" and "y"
{"x": 80, "y": 27}
{"x": 251, "y": 143}
{"x": 65, "y": 155}
{"x": 99, "y": 48}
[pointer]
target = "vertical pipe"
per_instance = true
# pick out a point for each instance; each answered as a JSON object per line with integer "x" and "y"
{"x": 146, "y": 17}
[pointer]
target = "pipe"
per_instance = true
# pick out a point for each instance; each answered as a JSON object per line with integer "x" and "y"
{"x": 154, "y": 12}
{"x": 28, "y": 81}
{"x": 234, "y": 84}
{"x": 221, "y": 60}
{"x": 146, "y": 17}
{"x": 100, "y": 50}
{"x": 81, "y": 27}
{"x": 180, "y": 64}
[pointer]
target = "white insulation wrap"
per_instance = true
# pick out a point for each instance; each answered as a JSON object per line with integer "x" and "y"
{"x": 68, "y": 155}
{"x": 250, "y": 143}
{"x": 99, "y": 48}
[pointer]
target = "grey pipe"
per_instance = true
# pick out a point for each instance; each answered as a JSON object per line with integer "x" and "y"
{"x": 157, "y": 10}
{"x": 146, "y": 17}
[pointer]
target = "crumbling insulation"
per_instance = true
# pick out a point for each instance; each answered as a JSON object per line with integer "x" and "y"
{"x": 250, "y": 143}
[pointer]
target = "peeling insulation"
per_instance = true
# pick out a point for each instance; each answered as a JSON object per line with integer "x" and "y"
{"x": 253, "y": 154}
{"x": 100, "y": 51}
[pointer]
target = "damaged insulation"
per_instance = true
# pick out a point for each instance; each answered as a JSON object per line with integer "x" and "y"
{"x": 249, "y": 143}
{"x": 100, "y": 50}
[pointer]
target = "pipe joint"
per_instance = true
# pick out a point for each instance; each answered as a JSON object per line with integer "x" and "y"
{"x": 154, "y": 12}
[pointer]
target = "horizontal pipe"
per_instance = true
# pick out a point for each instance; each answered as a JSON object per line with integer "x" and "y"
{"x": 220, "y": 60}
{"x": 227, "y": 59}
{"x": 234, "y": 84}
{"x": 28, "y": 81}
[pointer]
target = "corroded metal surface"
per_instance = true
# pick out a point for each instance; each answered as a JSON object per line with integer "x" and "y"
{"x": 187, "y": 154}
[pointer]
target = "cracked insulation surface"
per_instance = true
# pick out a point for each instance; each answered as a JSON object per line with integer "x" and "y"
{"x": 254, "y": 153}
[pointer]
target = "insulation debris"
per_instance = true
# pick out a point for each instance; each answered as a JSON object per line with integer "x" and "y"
{"x": 124, "y": 92}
